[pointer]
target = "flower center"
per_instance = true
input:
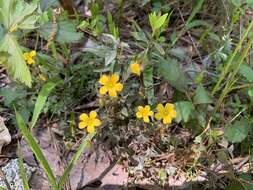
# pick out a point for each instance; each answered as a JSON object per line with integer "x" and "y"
{"x": 110, "y": 84}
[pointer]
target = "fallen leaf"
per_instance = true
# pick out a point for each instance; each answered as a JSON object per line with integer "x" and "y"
{"x": 4, "y": 134}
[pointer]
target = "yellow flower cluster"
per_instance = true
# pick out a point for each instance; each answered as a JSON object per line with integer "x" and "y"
{"x": 110, "y": 84}
{"x": 28, "y": 56}
{"x": 165, "y": 113}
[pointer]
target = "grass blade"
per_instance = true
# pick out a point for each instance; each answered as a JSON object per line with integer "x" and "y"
{"x": 41, "y": 100}
{"x": 22, "y": 169}
{"x": 75, "y": 158}
{"x": 36, "y": 150}
{"x": 229, "y": 61}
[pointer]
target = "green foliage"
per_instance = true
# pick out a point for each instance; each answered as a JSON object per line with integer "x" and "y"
{"x": 37, "y": 151}
{"x": 202, "y": 96}
{"x": 41, "y": 100}
{"x": 15, "y": 16}
{"x": 184, "y": 110}
{"x": 158, "y": 23}
{"x": 22, "y": 169}
{"x": 238, "y": 131}
{"x": 66, "y": 32}
{"x": 172, "y": 71}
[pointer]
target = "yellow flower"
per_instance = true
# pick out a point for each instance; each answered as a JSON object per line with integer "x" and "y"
{"x": 166, "y": 113}
{"x": 110, "y": 84}
{"x": 90, "y": 121}
{"x": 144, "y": 112}
{"x": 29, "y": 57}
{"x": 136, "y": 68}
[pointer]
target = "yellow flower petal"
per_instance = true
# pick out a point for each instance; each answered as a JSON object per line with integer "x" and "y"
{"x": 112, "y": 93}
{"x": 26, "y": 55}
{"x": 140, "y": 108}
{"x": 103, "y": 79}
{"x": 93, "y": 115}
{"x": 82, "y": 125}
{"x": 84, "y": 117}
{"x": 158, "y": 116}
{"x": 147, "y": 107}
{"x": 114, "y": 78}
{"x": 103, "y": 90}
{"x": 150, "y": 113}
{"x": 169, "y": 106}
{"x": 90, "y": 129}
{"x": 167, "y": 120}
{"x": 32, "y": 53}
{"x": 118, "y": 87}
{"x": 97, "y": 122}
{"x": 173, "y": 114}
{"x": 135, "y": 68}
{"x": 160, "y": 108}
{"x": 30, "y": 61}
{"x": 138, "y": 115}
{"x": 146, "y": 119}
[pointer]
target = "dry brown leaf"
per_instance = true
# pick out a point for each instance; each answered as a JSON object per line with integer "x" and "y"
{"x": 5, "y": 137}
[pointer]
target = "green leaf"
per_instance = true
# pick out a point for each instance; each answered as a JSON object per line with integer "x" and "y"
{"x": 160, "y": 21}
{"x": 184, "y": 110}
{"x": 36, "y": 150}
{"x": 236, "y": 3}
{"x": 238, "y": 131}
{"x": 247, "y": 72}
{"x": 22, "y": 169}
{"x": 66, "y": 32}
{"x": 3, "y": 58}
{"x": 235, "y": 185}
{"x": 41, "y": 100}
{"x": 171, "y": 71}
{"x": 148, "y": 83}
{"x": 18, "y": 14}
{"x": 15, "y": 65}
{"x": 196, "y": 23}
{"x": 248, "y": 181}
{"x": 195, "y": 10}
{"x": 202, "y": 96}
{"x": 75, "y": 158}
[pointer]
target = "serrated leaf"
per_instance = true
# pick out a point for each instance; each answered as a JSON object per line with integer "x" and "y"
{"x": 66, "y": 32}
{"x": 171, "y": 71}
{"x": 238, "y": 131}
{"x": 15, "y": 65}
{"x": 247, "y": 72}
{"x": 16, "y": 14}
{"x": 184, "y": 110}
{"x": 202, "y": 96}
